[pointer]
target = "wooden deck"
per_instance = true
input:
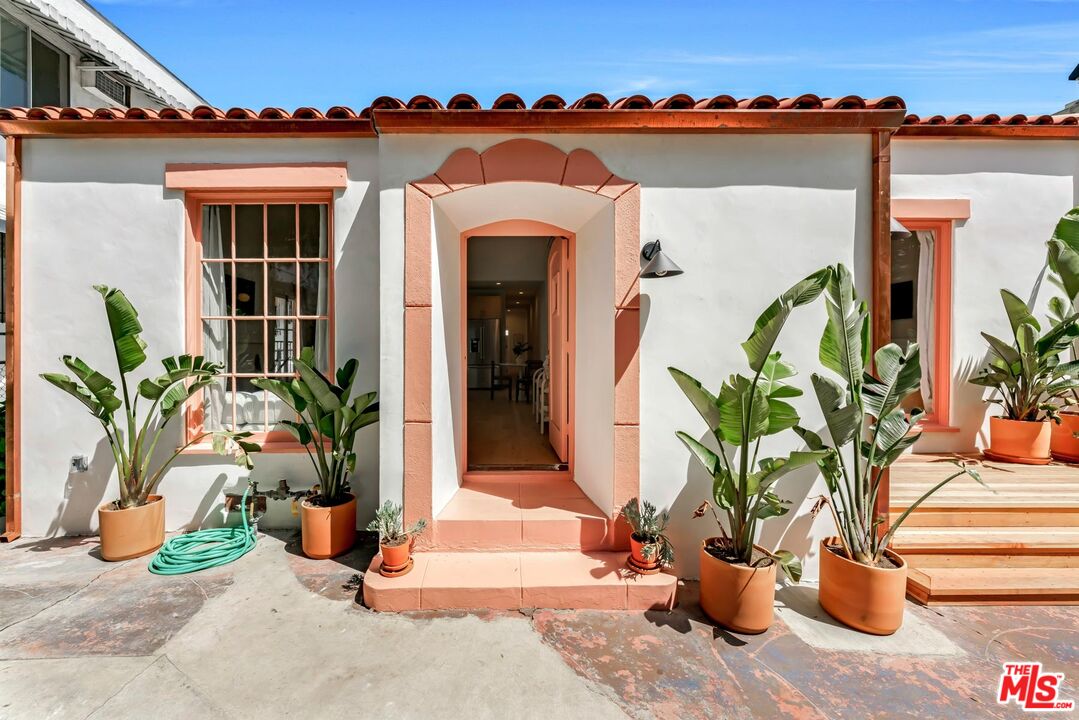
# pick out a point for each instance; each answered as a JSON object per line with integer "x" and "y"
{"x": 1016, "y": 543}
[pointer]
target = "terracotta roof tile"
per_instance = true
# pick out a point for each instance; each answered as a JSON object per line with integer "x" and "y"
{"x": 991, "y": 119}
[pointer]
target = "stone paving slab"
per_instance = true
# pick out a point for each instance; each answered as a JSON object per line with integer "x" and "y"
{"x": 277, "y": 635}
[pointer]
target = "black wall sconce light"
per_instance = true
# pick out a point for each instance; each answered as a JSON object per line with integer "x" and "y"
{"x": 659, "y": 265}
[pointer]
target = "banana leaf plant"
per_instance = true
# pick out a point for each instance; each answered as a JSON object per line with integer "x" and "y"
{"x": 1063, "y": 260}
{"x": 132, "y": 434}
{"x": 1027, "y": 372}
{"x": 329, "y": 420}
{"x": 747, "y": 409}
{"x": 868, "y": 426}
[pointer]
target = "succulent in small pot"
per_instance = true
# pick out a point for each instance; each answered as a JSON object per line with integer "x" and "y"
{"x": 738, "y": 576}
{"x": 394, "y": 540}
{"x": 650, "y": 549}
{"x": 862, "y": 582}
{"x": 329, "y": 419}
{"x": 134, "y": 524}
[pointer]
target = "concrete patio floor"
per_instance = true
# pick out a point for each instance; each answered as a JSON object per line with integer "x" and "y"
{"x": 278, "y": 635}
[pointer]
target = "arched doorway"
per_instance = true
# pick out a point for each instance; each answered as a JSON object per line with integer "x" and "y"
{"x": 513, "y": 181}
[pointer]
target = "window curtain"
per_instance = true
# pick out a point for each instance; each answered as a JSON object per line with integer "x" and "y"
{"x": 926, "y": 310}
{"x": 322, "y": 327}
{"x": 215, "y": 333}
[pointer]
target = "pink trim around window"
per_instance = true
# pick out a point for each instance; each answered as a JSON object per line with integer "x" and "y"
{"x": 268, "y": 176}
{"x": 939, "y": 419}
{"x": 274, "y": 441}
{"x": 937, "y": 209}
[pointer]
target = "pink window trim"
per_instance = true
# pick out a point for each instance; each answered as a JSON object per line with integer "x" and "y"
{"x": 274, "y": 440}
{"x": 247, "y": 176}
{"x": 520, "y": 160}
{"x": 939, "y": 419}
{"x": 935, "y": 209}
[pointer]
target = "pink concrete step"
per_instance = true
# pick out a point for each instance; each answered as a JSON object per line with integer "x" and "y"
{"x": 515, "y": 580}
{"x": 494, "y": 514}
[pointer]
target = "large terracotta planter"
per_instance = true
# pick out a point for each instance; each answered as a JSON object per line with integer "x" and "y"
{"x": 132, "y": 532}
{"x": 738, "y": 597}
{"x": 328, "y": 531}
{"x": 1019, "y": 441}
{"x": 1063, "y": 443}
{"x": 865, "y": 598}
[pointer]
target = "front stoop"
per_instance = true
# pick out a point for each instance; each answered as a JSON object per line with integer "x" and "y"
{"x": 516, "y": 580}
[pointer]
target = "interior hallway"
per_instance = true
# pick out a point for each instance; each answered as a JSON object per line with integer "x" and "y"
{"x": 503, "y": 433}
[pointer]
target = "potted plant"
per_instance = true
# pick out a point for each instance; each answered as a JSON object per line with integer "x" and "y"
{"x": 329, "y": 420}
{"x": 1030, "y": 380}
{"x": 737, "y": 576}
{"x": 863, "y": 584}
{"x": 394, "y": 541}
{"x": 134, "y": 524}
{"x": 1063, "y": 259}
{"x": 650, "y": 549}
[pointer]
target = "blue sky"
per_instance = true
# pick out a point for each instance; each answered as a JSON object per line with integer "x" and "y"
{"x": 944, "y": 56}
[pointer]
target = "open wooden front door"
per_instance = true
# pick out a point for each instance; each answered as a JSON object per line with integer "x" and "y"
{"x": 558, "y": 310}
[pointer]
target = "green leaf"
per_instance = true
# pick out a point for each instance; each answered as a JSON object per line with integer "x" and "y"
{"x": 843, "y": 347}
{"x": 1018, "y": 312}
{"x": 286, "y": 391}
{"x": 705, "y": 402}
{"x": 1067, "y": 229}
{"x": 707, "y": 458}
{"x": 78, "y": 392}
{"x": 1003, "y": 350}
{"x": 843, "y": 421}
{"x": 899, "y": 374}
{"x": 789, "y": 564}
{"x": 316, "y": 383}
{"x": 299, "y": 431}
{"x": 781, "y": 416}
{"x": 125, "y": 328}
{"x": 743, "y": 411}
{"x": 767, "y": 327}
{"x": 1064, "y": 261}
{"x": 97, "y": 384}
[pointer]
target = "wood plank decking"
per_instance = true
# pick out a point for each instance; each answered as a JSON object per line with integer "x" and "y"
{"x": 1017, "y": 543}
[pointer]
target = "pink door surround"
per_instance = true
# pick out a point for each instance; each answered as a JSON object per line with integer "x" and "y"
{"x": 519, "y": 160}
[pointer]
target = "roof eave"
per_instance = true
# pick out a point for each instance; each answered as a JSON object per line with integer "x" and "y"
{"x": 353, "y": 127}
{"x": 1015, "y": 132}
{"x": 635, "y": 121}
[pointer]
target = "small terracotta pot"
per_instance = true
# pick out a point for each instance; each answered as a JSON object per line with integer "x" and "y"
{"x": 869, "y": 599}
{"x": 637, "y": 553}
{"x": 395, "y": 557}
{"x": 1019, "y": 439}
{"x": 328, "y": 531}
{"x": 1063, "y": 443}
{"x": 737, "y": 597}
{"x": 132, "y": 532}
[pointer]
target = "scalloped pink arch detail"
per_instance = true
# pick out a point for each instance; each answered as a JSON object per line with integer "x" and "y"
{"x": 520, "y": 160}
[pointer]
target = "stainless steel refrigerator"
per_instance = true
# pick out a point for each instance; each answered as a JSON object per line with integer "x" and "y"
{"x": 484, "y": 344}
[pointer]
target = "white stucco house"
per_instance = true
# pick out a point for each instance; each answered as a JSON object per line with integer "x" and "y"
{"x": 375, "y": 234}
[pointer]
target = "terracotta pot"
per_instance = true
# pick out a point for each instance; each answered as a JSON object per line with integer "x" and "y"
{"x": 869, "y": 599}
{"x": 396, "y": 556}
{"x": 132, "y": 532}
{"x": 737, "y": 597}
{"x": 637, "y": 553}
{"x": 1064, "y": 444}
{"x": 1019, "y": 439}
{"x": 328, "y": 531}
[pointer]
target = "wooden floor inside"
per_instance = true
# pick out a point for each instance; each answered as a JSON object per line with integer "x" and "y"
{"x": 1014, "y": 543}
{"x": 503, "y": 434}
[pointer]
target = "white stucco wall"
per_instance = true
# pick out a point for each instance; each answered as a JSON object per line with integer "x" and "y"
{"x": 593, "y": 421}
{"x": 95, "y": 211}
{"x": 746, "y": 217}
{"x": 1018, "y": 189}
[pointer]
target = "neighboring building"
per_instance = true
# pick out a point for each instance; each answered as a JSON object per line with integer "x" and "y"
{"x": 65, "y": 53}
{"x": 1072, "y": 107}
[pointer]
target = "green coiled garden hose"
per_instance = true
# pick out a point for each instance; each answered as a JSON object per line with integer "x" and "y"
{"x": 205, "y": 549}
